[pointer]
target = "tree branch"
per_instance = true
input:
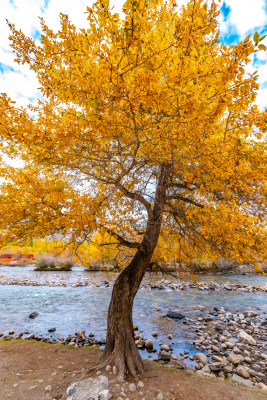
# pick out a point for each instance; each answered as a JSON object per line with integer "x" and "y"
{"x": 136, "y": 196}
{"x": 162, "y": 269}
{"x": 185, "y": 199}
{"x": 121, "y": 240}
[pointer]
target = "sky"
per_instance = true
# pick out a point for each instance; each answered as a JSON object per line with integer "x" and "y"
{"x": 238, "y": 19}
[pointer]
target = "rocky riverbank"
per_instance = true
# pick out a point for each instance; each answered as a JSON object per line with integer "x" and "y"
{"x": 174, "y": 285}
{"x": 34, "y": 370}
{"x": 225, "y": 344}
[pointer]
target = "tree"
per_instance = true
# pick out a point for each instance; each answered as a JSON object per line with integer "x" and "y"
{"x": 147, "y": 127}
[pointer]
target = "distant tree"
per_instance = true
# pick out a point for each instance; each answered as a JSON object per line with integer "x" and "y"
{"x": 147, "y": 127}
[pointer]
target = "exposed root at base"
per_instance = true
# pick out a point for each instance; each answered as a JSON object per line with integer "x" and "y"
{"x": 125, "y": 364}
{"x": 103, "y": 364}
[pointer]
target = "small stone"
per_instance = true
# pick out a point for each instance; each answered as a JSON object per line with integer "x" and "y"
{"x": 117, "y": 388}
{"x": 165, "y": 347}
{"x": 154, "y": 334}
{"x": 11, "y": 332}
{"x": 236, "y": 350}
{"x": 247, "y": 338}
{"x": 31, "y": 336}
{"x": 201, "y": 357}
{"x": 216, "y": 358}
{"x": 33, "y": 314}
{"x": 160, "y": 396}
{"x": 175, "y": 315}
{"x": 228, "y": 369}
{"x": 164, "y": 355}
{"x": 169, "y": 336}
{"x": 238, "y": 378}
{"x": 98, "y": 373}
{"x": 48, "y": 388}
{"x": 108, "y": 368}
{"x": 132, "y": 387}
{"x": 216, "y": 367}
{"x": 114, "y": 370}
{"x": 241, "y": 371}
{"x": 52, "y": 330}
{"x": 135, "y": 327}
{"x": 235, "y": 358}
{"x": 206, "y": 369}
{"x": 262, "y": 386}
{"x": 32, "y": 387}
{"x": 140, "y": 384}
{"x": 149, "y": 344}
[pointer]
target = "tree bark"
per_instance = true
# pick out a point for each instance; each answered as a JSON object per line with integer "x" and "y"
{"x": 120, "y": 344}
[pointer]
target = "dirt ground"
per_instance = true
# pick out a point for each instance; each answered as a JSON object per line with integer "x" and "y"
{"x": 32, "y": 370}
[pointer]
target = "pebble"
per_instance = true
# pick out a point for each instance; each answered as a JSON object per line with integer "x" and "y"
{"x": 132, "y": 387}
{"x": 160, "y": 396}
{"x": 48, "y": 388}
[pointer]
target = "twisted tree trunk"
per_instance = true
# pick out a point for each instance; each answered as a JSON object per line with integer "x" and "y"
{"x": 120, "y": 345}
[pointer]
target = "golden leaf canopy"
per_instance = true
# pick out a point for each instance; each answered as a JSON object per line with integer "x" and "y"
{"x": 122, "y": 97}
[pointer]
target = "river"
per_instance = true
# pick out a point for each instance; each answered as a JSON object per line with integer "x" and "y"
{"x": 70, "y": 309}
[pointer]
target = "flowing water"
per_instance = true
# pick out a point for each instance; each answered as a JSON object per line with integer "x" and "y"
{"x": 69, "y": 309}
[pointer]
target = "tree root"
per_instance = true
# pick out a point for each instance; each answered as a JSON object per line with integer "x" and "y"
{"x": 125, "y": 362}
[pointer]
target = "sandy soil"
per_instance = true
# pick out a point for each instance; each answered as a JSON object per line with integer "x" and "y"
{"x": 32, "y": 370}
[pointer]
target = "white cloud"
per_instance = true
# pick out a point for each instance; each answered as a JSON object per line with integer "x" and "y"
{"x": 262, "y": 98}
{"x": 245, "y": 15}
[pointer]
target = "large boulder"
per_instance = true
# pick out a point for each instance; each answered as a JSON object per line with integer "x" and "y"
{"x": 89, "y": 389}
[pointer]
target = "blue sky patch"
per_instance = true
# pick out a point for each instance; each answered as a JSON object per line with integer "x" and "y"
{"x": 36, "y": 35}
{"x": 46, "y": 2}
{"x": 12, "y": 3}
{"x": 5, "y": 68}
{"x": 225, "y": 11}
{"x": 229, "y": 38}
